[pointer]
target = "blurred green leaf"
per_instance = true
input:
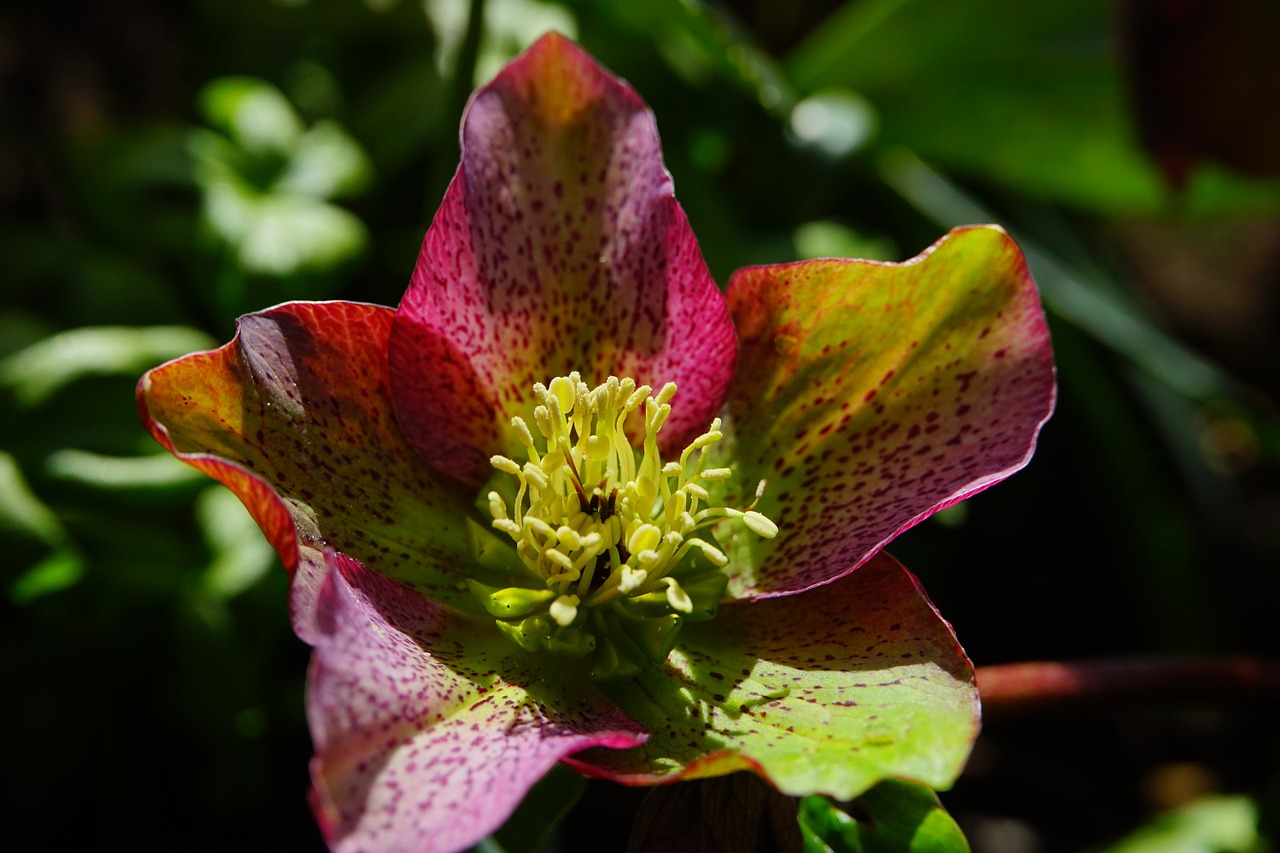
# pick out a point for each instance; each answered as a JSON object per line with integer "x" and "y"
{"x": 252, "y": 112}
{"x": 824, "y": 239}
{"x": 19, "y": 329}
{"x": 1214, "y": 825}
{"x": 893, "y": 817}
{"x": 21, "y": 511}
{"x": 283, "y": 234}
{"x": 216, "y": 158}
{"x": 1034, "y": 100}
{"x": 117, "y": 472}
{"x": 326, "y": 162}
{"x": 45, "y": 367}
{"x": 264, "y": 195}
{"x": 509, "y": 27}
{"x": 241, "y": 554}
{"x": 701, "y": 40}
{"x": 1014, "y": 131}
{"x": 1097, "y": 307}
{"x": 836, "y": 122}
{"x": 63, "y": 568}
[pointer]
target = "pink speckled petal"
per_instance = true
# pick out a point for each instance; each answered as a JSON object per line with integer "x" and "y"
{"x": 872, "y": 395}
{"x": 824, "y": 692}
{"x": 429, "y": 726}
{"x": 294, "y": 416}
{"x": 559, "y": 246}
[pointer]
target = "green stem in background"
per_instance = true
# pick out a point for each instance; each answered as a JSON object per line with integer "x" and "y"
{"x": 1043, "y": 685}
{"x": 464, "y": 72}
{"x": 456, "y": 89}
{"x": 1078, "y": 297}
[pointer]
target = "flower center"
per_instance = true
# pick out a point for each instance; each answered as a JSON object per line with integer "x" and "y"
{"x": 610, "y": 540}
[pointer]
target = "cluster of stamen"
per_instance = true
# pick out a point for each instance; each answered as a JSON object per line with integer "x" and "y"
{"x": 609, "y": 539}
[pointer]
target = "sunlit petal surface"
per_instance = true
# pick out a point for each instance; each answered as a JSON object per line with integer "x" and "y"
{"x": 871, "y": 395}
{"x": 825, "y": 692}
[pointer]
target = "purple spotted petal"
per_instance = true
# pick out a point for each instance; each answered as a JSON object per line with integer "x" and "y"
{"x": 295, "y": 417}
{"x": 429, "y": 727}
{"x": 559, "y": 246}
{"x": 871, "y": 395}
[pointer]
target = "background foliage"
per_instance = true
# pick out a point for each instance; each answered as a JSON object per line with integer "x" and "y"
{"x": 165, "y": 167}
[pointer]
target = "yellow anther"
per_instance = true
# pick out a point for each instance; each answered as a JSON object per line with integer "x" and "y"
{"x": 542, "y": 418}
{"x": 564, "y": 610}
{"x": 679, "y": 501}
{"x": 645, "y": 537}
{"x": 535, "y": 475}
{"x": 636, "y": 398}
{"x": 705, "y": 440}
{"x": 522, "y": 431}
{"x": 508, "y": 527}
{"x": 564, "y": 389}
{"x": 655, "y": 416}
{"x": 632, "y": 579}
{"x": 668, "y": 391}
{"x": 712, "y": 553}
{"x": 645, "y": 488}
{"x": 759, "y": 524}
{"x": 697, "y": 491}
{"x": 505, "y": 465}
{"x": 497, "y": 506}
{"x": 553, "y": 461}
{"x": 558, "y": 557}
{"x": 568, "y": 537}
{"x": 597, "y": 448}
{"x": 536, "y": 525}
{"x": 677, "y": 597}
{"x": 717, "y": 474}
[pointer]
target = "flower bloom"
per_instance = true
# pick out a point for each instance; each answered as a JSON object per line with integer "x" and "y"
{"x": 570, "y": 503}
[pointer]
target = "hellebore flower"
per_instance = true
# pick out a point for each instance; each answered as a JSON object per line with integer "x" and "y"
{"x": 504, "y": 558}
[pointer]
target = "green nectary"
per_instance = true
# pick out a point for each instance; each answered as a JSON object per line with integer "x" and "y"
{"x": 612, "y": 560}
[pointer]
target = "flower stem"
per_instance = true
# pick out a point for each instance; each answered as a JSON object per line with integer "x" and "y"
{"x": 464, "y": 75}
{"x": 1043, "y": 685}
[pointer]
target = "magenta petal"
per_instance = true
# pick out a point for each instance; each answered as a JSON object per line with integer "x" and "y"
{"x": 425, "y": 738}
{"x": 294, "y": 416}
{"x": 559, "y": 246}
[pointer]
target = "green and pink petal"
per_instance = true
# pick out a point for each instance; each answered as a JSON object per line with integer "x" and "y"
{"x": 559, "y": 246}
{"x": 825, "y": 692}
{"x": 871, "y": 395}
{"x": 294, "y": 416}
{"x": 429, "y": 727}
